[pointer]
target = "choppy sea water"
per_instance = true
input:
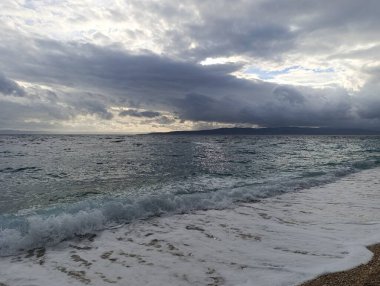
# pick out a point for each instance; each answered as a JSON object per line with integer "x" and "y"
{"x": 54, "y": 188}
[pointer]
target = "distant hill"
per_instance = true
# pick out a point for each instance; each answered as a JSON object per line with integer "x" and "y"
{"x": 274, "y": 131}
{"x": 233, "y": 131}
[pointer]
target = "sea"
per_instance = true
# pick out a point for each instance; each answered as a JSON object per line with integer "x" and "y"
{"x": 253, "y": 199}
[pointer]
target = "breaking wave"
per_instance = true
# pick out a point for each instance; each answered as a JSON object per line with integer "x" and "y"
{"x": 49, "y": 226}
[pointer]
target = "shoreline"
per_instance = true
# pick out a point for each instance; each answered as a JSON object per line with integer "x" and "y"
{"x": 363, "y": 275}
{"x": 282, "y": 240}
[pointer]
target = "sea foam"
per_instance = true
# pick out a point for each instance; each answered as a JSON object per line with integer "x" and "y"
{"x": 279, "y": 240}
{"x": 48, "y": 226}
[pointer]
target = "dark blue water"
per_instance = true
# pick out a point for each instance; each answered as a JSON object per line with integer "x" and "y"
{"x": 53, "y": 187}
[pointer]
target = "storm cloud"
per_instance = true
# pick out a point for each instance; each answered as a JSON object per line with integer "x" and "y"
{"x": 265, "y": 65}
{"x": 9, "y": 87}
{"x": 136, "y": 113}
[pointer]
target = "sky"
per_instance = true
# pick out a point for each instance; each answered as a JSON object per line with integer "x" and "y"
{"x": 143, "y": 66}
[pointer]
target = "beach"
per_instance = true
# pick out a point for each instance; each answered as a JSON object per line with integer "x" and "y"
{"x": 363, "y": 275}
{"x": 282, "y": 240}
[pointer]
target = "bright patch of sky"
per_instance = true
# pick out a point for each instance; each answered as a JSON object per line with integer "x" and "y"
{"x": 296, "y": 75}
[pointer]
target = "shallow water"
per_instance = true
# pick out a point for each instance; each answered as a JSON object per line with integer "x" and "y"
{"x": 277, "y": 241}
{"x": 56, "y": 187}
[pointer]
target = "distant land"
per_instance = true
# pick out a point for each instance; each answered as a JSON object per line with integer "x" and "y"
{"x": 223, "y": 131}
{"x": 274, "y": 131}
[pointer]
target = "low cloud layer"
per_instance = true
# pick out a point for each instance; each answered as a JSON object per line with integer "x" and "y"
{"x": 136, "y": 113}
{"x": 265, "y": 57}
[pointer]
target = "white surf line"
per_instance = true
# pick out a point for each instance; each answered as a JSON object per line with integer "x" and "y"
{"x": 278, "y": 241}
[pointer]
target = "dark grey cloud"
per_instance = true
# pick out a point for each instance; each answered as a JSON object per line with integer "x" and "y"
{"x": 37, "y": 108}
{"x": 30, "y": 114}
{"x": 125, "y": 78}
{"x": 10, "y": 87}
{"x": 192, "y": 91}
{"x": 88, "y": 103}
{"x": 299, "y": 108}
{"x": 159, "y": 121}
{"x": 223, "y": 38}
{"x": 271, "y": 29}
{"x": 368, "y": 104}
{"x": 164, "y": 120}
{"x": 136, "y": 113}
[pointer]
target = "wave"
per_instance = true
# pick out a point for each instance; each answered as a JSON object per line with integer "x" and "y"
{"x": 21, "y": 169}
{"x": 49, "y": 226}
{"x": 368, "y": 164}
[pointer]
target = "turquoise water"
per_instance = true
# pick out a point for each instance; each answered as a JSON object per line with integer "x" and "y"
{"x": 56, "y": 187}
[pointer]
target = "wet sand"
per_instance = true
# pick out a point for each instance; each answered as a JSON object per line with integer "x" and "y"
{"x": 363, "y": 275}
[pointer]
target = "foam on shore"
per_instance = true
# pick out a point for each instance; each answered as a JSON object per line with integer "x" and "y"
{"x": 281, "y": 240}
